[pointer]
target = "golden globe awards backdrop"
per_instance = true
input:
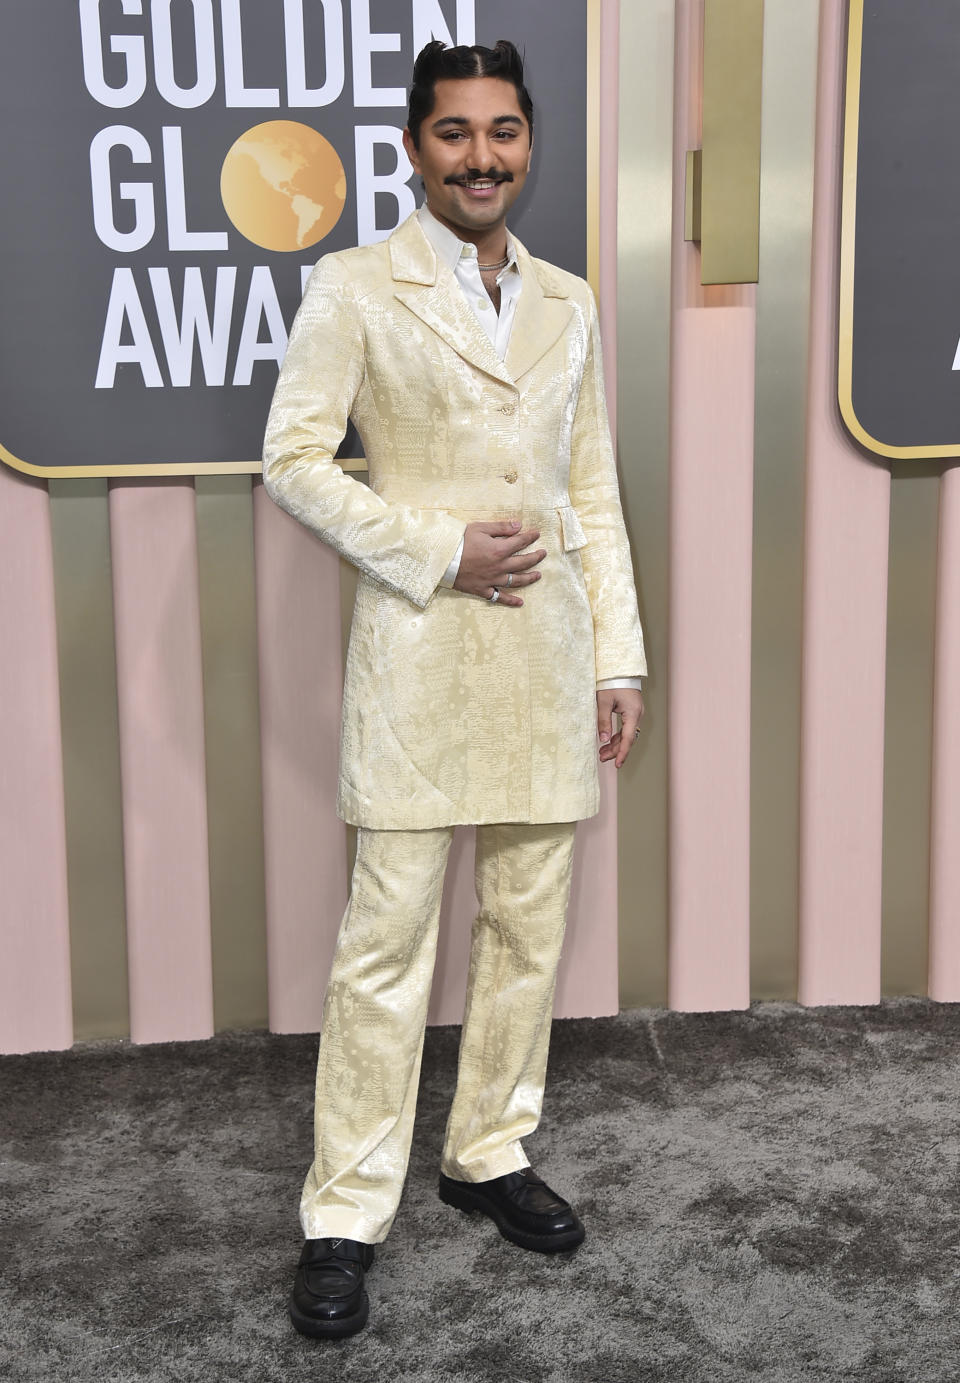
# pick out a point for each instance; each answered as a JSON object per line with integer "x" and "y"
{"x": 899, "y": 356}
{"x": 171, "y": 171}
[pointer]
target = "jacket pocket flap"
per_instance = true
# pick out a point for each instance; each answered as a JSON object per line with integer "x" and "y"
{"x": 573, "y": 534}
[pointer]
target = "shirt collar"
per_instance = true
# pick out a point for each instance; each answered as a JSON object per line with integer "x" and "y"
{"x": 450, "y": 248}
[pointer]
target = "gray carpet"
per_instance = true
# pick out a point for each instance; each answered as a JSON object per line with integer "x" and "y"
{"x": 768, "y": 1195}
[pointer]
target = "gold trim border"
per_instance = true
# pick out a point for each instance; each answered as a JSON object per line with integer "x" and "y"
{"x": 848, "y": 232}
{"x": 352, "y": 463}
{"x": 146, "y": 468}
{"x": 358, "y": 463}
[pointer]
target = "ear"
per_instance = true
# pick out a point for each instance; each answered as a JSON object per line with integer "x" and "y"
{"x": 410, "y": 150}
{"x": 530, "y": 156}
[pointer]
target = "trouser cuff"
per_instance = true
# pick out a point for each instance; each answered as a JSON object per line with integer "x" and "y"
{"x": 334, "y": 1222}
{"x": 485, "y": 1168}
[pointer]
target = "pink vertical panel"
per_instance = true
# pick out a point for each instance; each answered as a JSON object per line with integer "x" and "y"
{"x": 945, "y": 820}
{"x": 844, "y": 625}
{"x": 153, "y": 542}
{"x": 711, "y": 555}
{"x": 35, "y": 1002}
{"x": 301, "y": 679}
{"x": 711, "y": 537}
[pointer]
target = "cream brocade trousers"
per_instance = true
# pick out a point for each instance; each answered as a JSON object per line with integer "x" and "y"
{"x": 376, "y": 1008}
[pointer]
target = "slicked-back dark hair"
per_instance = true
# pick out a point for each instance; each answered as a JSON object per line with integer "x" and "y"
{"x": 437, "y": 62}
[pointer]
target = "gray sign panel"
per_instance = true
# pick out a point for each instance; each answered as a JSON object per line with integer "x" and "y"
{"x": 171, "y": 171}
{"x": 900, "y": 294}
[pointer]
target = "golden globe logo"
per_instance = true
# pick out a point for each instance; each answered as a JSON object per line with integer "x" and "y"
{"x": 283, "y": 185}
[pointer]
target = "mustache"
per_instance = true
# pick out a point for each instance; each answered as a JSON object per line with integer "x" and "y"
{"x": 474, "y": 175}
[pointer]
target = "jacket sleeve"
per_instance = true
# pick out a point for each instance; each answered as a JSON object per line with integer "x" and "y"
{"x": 407, "y": 550}
{"x": 595, "y": 495}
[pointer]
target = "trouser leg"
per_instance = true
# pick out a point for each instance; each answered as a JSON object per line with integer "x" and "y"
{"x": 372, "y": 1036}
{"x": 523, "y": 886}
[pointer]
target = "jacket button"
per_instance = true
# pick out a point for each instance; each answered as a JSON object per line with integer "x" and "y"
{"x": 511, "y": 477}
{"x": 508, "y": 408}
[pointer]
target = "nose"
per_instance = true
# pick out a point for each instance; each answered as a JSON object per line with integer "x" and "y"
{"x": 482, "y": 152}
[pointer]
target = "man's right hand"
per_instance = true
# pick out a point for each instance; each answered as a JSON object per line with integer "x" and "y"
{"x": 491, "y": 553}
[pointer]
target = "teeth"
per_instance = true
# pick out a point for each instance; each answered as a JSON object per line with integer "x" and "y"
{"x": 481, "y": 185}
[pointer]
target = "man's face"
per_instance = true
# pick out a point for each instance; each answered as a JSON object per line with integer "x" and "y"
{"x": 474, "y": 152}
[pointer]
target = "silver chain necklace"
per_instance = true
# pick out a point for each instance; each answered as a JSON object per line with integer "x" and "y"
{"x": 489, "y": 268}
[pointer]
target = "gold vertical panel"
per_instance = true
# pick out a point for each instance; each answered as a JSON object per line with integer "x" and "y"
{"x": 783, "y": 310}
{"x": 908, "y": 731}
{"x": 91, "y": 756}
{"x": 730, "y": 179}
{"x": 231, "y": 716}
{"x": 643, "y": 330}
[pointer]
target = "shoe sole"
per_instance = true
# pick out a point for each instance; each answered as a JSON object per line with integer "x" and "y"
{"x": 334, "y": 1329}
{"x": 461, "y": 1197}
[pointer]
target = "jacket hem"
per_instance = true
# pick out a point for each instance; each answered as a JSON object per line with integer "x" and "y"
{"x": 427, "y": 821}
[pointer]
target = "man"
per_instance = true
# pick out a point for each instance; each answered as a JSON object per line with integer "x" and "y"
{"x": 495, "y": 634}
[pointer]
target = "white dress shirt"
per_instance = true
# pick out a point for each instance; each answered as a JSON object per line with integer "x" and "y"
{"x": 462, "y": 258}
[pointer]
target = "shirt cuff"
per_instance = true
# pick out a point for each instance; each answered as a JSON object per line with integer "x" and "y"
{"x": 450, "y": 575}
{"x": 609, "y": 683}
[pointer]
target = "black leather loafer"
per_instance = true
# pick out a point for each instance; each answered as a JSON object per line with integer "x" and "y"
{"x": 328, "y": 1297}
{"x": 523, "y": 1208}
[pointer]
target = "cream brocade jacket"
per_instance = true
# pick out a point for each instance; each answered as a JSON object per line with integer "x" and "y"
{"x": 457, "y": 710}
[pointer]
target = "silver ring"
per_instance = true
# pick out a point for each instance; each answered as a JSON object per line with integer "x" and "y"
{"x": 495, "y": 597}
{"x": 509, "y": 578}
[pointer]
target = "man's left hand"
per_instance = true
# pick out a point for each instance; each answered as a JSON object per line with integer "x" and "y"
{"x": 627, "y": 703}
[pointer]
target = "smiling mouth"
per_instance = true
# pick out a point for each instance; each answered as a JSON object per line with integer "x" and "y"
{"x": 479, "y": 184}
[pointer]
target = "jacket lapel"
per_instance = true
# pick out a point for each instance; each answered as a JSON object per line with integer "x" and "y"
{"x": 432, "y": 293}
{"x": 543, "y": 315}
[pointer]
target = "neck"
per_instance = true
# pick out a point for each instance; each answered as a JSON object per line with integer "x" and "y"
{"x": 491, "y": 241}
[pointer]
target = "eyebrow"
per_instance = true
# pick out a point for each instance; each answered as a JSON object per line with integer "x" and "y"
{"x": 463, "y": 122}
